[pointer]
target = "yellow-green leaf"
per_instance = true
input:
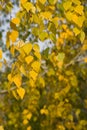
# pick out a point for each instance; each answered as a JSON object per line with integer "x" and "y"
{"x": 60, "y": 56}
{"x": 82, "y": 36}
{"x": 52, "y": 2}
{"x": 76, "y": 31}
{"x": 29, "y": 6}
{"x": 67, "y": 5}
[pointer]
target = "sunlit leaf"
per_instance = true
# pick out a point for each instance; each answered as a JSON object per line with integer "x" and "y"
{"x": 15, "y": 21}
{"x": 79, "y": 9}
{"x": 36, "y": 47}
{"x": 22, "y": 70}
{"x": 21, "y": 92}
{"x": 36, "y": 66}
{"x": 0, "y": 54}
{"x": 23, "y": 1}
{"x": 17, "y": 80}
{"x": 1, "y": 127}
{"x": 67, "y": 5}
{"x": 33, "y": 74}
{"x": 14, "y": 35}
{"x": 42, "y": 1}
{"x": 85, "y": 59}
{"x": 27, "y": 48}
{"x": 52, "y": 2}
{"x": 38, "y": 55}
{"x": 76, "y": 31}
{"x": 29, "y": 59}
{"x": 29, "y": 6}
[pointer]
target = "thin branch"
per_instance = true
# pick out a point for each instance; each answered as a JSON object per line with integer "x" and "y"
{"x": 75, "y": 59}
{"x": 7, "y": 91}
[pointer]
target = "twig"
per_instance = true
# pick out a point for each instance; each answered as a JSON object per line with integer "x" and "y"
{"x": 7, "y": 91}
{"x": 73, "y": 60}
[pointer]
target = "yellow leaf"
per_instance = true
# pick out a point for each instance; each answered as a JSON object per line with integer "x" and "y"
{"x": 27, "y": 48}
{"x": 33, "y": 75}
{"x": 1, "y": 127}
{"x": 79, "y": 9}
{"x": 44, "y": 111}
{"x": 68, "y": 15}
{"x": 42, "y": 1}
{"x": 46, "y": 15}
{"x": 17, "y": 80}
{"x": 80, "y": 21}
{"x": 36, "y": 66}
{"x": 14, "y": 35}
{"x": 36, "y": 48}
{"x": 23, "y": 1}
{"x": 28, "y": 116}
{"x": 10, "y": 78}
{"x": 25, "y": 111}
{"x": 32, "y": 83}
{"x": 84, "y": 47}
{"x": 0, "y": 53}
{"x": 0, "y": 65}
{"x": 25, "y": 122}
{"x": 15, "y": 94}
{"x": 85, "y": 59}
{"x": 52, "y": 2}
{"x": 12, "y": 50}
{"x": 29, "y": 59}
{"x": 38, "y": 55}
{"x": 76, "y": 31}
{"x": 22, "y": 69}
{"x": 77, "y": 2}
{"x": 20, "y": 44}
{"x": 67, "y": 5}
{"x": 15, "y": 21}
{"x": 29, "y": 128}
{"x": 75, "y": 18}
{"x": 21, "y": 92}
{"x": 29, "y": 6}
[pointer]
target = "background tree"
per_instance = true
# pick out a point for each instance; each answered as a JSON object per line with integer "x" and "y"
{"x": 44, "y": 89}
